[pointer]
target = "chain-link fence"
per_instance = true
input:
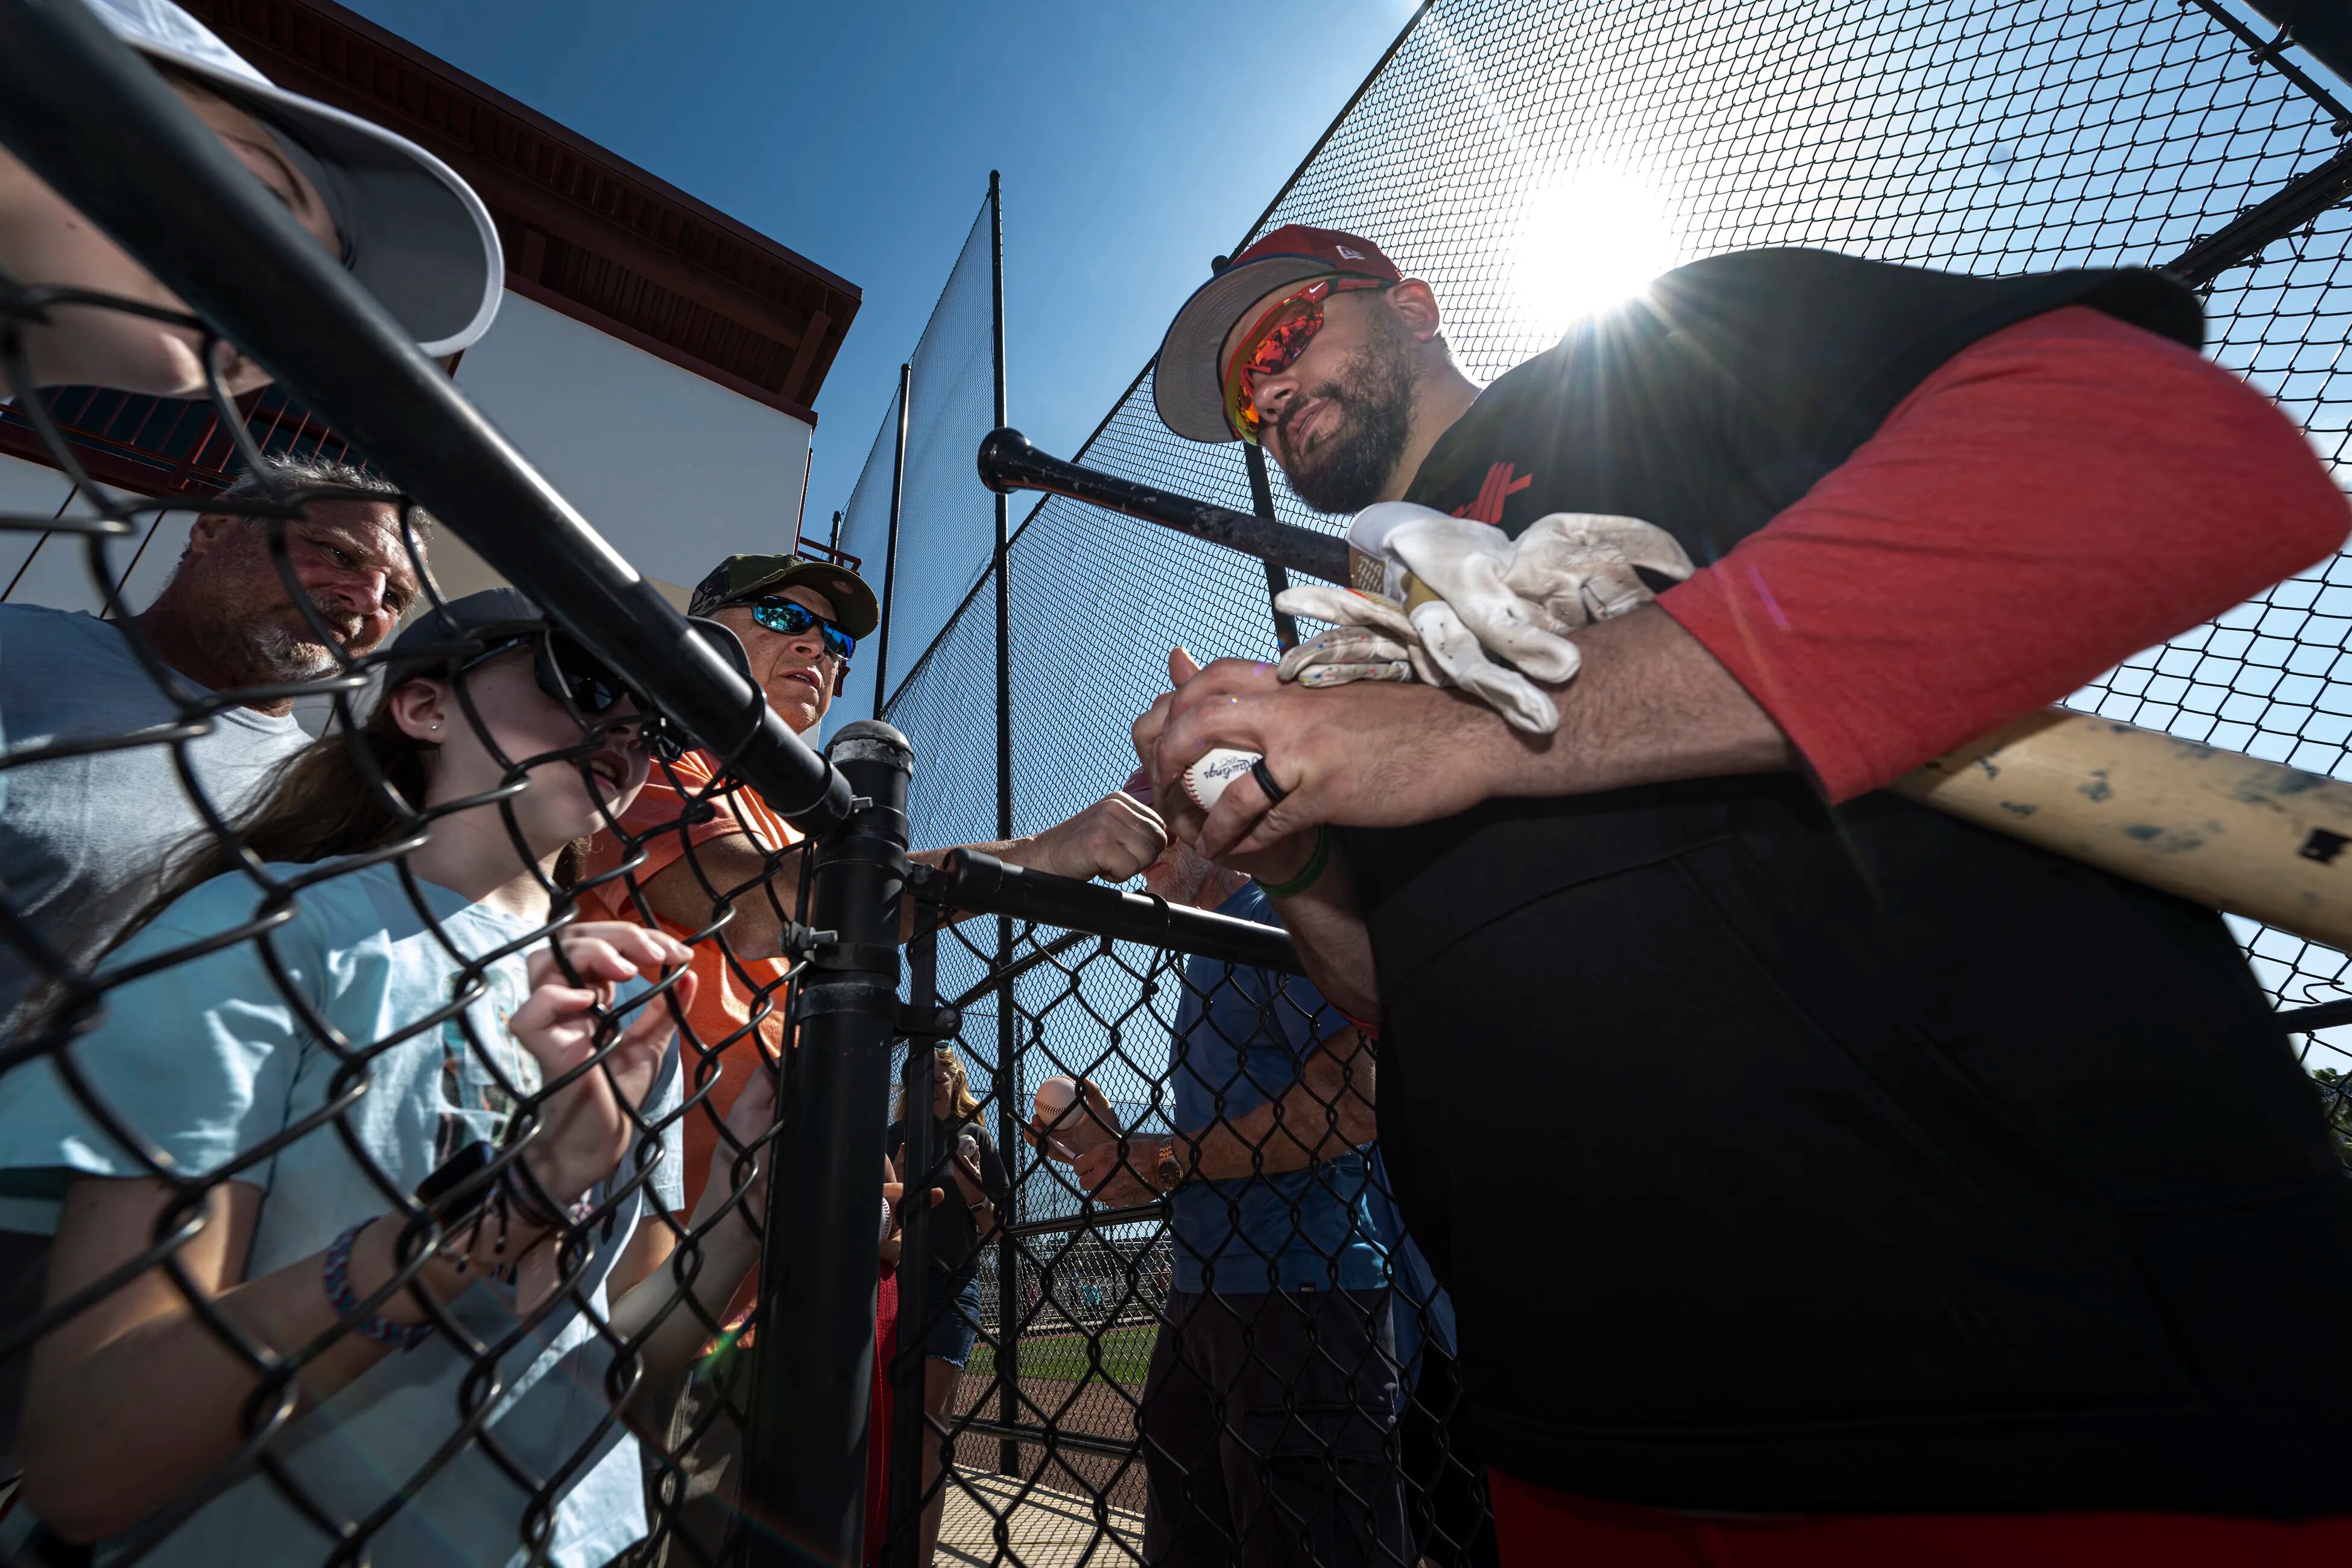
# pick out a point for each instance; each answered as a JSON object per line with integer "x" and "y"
{"x": 360, "y": 1208}
{"x": 1250, "y": 1363}
{"x": 343, "y": 1154}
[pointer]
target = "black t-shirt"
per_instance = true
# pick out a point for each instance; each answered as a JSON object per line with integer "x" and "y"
{"x": 1889, "y": 1164}
{"x": 954, "y": 1241}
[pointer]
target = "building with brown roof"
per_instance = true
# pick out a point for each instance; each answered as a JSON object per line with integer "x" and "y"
{"x": 653, "y": 356}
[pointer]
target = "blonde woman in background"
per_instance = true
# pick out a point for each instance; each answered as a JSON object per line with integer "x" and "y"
{"x": 959, "y": 1228}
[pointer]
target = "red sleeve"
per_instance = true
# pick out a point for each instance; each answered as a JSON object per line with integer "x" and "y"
{"x": 2055, "y": 497}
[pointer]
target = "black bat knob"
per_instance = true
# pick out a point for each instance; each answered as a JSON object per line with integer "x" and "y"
{"x": 1005, "y": 458}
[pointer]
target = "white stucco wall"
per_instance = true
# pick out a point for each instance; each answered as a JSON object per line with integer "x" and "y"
{"x": 54, "y": 568}
{"x": 675, "y": 472}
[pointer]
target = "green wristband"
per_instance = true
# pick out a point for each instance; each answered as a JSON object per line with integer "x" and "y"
{"x": 1307, "y": 873}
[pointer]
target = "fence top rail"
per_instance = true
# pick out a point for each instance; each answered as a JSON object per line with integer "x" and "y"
{"x": 173, "y": 196}
{"x": 981, "y": 884}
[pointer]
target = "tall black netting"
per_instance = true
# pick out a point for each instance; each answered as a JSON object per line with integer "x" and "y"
{"x": 947, "y": 521}
{"x": 1536, "y": 161}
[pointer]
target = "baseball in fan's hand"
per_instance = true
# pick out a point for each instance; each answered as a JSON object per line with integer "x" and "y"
{"x": 1069, "y": 1119}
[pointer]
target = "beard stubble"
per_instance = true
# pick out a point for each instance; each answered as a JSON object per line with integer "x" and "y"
{"x": 1353, "y": 463}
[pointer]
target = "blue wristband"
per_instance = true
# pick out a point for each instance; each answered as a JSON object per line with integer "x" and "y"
{"x": 335, "y": 1274}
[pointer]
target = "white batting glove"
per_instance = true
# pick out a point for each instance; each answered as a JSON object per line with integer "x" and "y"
{"x": 1578, "y": 567}
{"x": 1455, "y": 650}
{"x": 1369, "y": 640}
{"x": 1372, "y": 640}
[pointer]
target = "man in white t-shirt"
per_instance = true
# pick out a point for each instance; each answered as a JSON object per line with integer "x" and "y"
{"x": 84, "y": 832}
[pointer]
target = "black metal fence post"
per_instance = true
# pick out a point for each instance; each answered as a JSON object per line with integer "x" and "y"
{"x": 1285, "y": 628}
{"x": 1008, "y": 1071}
{"x": 890, "y": 552}
{"x": 908, "y": 1429}
{"x": 812, "y": 1361}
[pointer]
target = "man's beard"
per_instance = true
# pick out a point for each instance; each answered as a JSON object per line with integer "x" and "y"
{"x": 1354, "y": 462}
{"x": 279, "y": 654}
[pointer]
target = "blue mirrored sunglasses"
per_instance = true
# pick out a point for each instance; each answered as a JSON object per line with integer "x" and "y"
{"x": 795, "y": 620}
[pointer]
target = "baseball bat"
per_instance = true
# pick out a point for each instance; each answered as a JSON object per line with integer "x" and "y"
{"x": 1008, "y": 462}
{"x": 2218, "y": 827}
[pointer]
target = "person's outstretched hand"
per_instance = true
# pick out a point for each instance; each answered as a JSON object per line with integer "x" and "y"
{"x": 587, "y": 1125}
{"x": 1075, "y": 1129}
{"x": 1110, "y": 840}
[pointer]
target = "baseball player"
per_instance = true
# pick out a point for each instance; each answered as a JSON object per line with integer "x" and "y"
{"x": 1912, "y": 1196}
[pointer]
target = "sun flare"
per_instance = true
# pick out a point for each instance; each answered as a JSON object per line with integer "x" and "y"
{"x": 1586, "y": 241}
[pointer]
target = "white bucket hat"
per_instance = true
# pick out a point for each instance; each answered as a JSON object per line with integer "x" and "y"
{"x": 414, "y": 233}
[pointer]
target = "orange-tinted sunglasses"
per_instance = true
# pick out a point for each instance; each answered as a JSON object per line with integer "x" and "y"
{"x": 1274, "y": 343}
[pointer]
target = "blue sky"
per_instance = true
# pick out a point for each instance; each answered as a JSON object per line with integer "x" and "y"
{"x": 1136, "y": 142}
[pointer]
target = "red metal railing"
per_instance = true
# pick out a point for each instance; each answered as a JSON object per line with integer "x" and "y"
{"x": 159, "y": 445}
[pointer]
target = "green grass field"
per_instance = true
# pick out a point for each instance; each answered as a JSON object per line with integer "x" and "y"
{"x": 1126, "y": 1355}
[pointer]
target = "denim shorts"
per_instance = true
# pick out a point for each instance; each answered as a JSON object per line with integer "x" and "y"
{"x": 957, "y": 1325}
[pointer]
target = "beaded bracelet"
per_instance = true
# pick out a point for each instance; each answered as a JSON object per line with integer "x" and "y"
{"x": 335, "y": 1273}
{"x": 1307, "y": 873}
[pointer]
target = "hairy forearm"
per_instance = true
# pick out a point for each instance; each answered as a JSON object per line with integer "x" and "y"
{"x": 734, "y": 875}
{"x": 726, "y": 883}
{"x": 1650, "y": 705}
{"x": 676, "y": 1306}
{"x": 1333, "y": 942}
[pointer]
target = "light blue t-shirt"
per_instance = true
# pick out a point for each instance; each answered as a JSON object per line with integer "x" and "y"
{"x": 207, "y": 1061}
{"x": 1241, "y": 1039}
{"x": 81, "y": 838}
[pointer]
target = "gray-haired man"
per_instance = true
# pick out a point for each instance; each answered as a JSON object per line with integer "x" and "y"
{"x": 84, "y": 832}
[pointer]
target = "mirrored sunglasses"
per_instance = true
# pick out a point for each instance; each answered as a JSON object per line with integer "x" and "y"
{"x": 1273, "y": 343}
{"x": 795, "y": 620}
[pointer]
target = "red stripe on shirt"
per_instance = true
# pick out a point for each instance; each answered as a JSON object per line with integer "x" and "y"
{"x": 2055, "y": 499}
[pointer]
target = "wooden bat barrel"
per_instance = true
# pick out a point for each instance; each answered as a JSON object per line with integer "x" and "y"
{"x": 2256, "y": 838}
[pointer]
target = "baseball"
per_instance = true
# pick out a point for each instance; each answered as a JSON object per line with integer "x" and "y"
{"x": 1055, "y": 1096}
{"x": 1205, "y": 780}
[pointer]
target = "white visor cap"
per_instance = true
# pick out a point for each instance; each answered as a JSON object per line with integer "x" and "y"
{"x": 414, "y": 233}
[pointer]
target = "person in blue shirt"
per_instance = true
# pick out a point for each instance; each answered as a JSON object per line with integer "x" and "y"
{"x": 1270, "y": 1409}
{"x": 380, "y": 1039}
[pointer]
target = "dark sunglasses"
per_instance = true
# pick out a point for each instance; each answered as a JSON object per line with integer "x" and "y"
{"x": 568, "y": 672}
{"x": 795, "y": 620}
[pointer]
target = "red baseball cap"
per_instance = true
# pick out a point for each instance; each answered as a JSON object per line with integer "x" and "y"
{"x": 1186, "y": 387}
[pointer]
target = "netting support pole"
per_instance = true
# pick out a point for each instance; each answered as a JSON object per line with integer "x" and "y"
{"x": 890, "y": 550}
{"x": 812, "y": 1361}
{"x": 1286, "y": 628}
{"x": 1008, "y": 1071}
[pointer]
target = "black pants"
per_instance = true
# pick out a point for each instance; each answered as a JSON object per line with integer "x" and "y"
{"x": 1446, "y": 1469}
{"x": 1269, "y": 1432}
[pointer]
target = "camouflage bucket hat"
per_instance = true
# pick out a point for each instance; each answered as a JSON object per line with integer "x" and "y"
{"x": 742, "y": 578}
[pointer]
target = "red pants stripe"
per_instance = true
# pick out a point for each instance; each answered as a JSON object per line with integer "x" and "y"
{"x": 1536, "y": 1528}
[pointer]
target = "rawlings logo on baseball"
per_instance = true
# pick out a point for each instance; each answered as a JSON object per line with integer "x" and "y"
{"x": 1205, "y": 780}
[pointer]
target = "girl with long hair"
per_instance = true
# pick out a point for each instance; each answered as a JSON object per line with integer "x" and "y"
{"x": 360, "y": 1122}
